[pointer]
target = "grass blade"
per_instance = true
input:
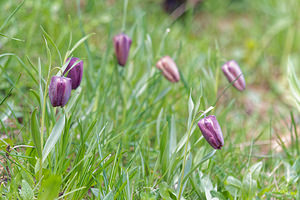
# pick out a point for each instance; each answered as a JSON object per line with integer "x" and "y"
{"x": 54, "y": 136}
{"x": 35, "y": 133}
{"x": 11, "y": 15}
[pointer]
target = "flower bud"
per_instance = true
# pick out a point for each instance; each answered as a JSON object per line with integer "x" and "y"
{"x": 59, "y": 90}
{"x": 75, "y": 74}
{"x": 168, "y": 68}
{"x": 233, "y": 72}
{"x": 211, "y": 131}
{"x": 122, "y": 45}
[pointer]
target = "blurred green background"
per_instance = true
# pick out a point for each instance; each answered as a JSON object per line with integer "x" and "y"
{"x": 140, "y": 111}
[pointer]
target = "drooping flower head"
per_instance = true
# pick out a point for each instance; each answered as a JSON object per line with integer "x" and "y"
{"x": 75, "y": 74}
{"x": 59, "y": 90}
{"x": 168, "y": 68}
{"x": 211, "y": 131}
{"x": 122, "y": 45}
{"x": 233, "y": 72}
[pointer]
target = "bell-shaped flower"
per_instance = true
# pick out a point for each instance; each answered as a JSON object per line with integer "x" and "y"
{"x": 122, "y": 45}
{"x": 211, "y": 131}
{"x": 234, "y": 74}
{"x": 168, "y": 68}
{"x": 75, "y": 71}
{"x": 59, "y": 90}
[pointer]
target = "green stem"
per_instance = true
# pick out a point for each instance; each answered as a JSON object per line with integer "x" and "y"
{"x": 43, "y": 119}
{"x": 184, "y": 159}
{"x": 124, "y": 15}
{"x": 119, "y": 84}
{"x": 42, "y": 130}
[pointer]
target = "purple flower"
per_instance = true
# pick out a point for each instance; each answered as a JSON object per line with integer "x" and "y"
{"x": 211, "y": 131}
{"x": 122, "y": 45}
{"x": 168, "y": 68}
{"x": 171, "y": 5}
{"x": 233, "y": 72}
{"x": 59, "y": 90}
{"x": 75, "y": 74}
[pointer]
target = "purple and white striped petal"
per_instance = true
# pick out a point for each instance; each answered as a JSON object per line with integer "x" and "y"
{"x": 59, "y": 90}
{"x": 211, "y": 131}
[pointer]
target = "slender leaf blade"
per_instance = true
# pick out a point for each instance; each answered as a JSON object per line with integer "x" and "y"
{"x": 54, "y": 136}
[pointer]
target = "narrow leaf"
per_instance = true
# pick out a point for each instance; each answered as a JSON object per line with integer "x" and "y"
{"x": 54, "y": 136}
{"x": 35, "y": 133}
{"x": 11, "y": 15}
{"x": 172, "y": 143}
{"x": 191, "y": 108}
{"x": 77, "y": 44}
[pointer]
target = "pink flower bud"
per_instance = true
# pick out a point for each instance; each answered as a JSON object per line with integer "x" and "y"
{"x": 168, "y": 68}
{"x": 233, "y": 72}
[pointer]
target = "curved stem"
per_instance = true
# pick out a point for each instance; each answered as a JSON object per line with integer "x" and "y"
{"x": 223, "y": 92}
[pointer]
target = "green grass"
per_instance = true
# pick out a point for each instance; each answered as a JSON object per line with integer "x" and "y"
{"x": 128, "y": 133}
